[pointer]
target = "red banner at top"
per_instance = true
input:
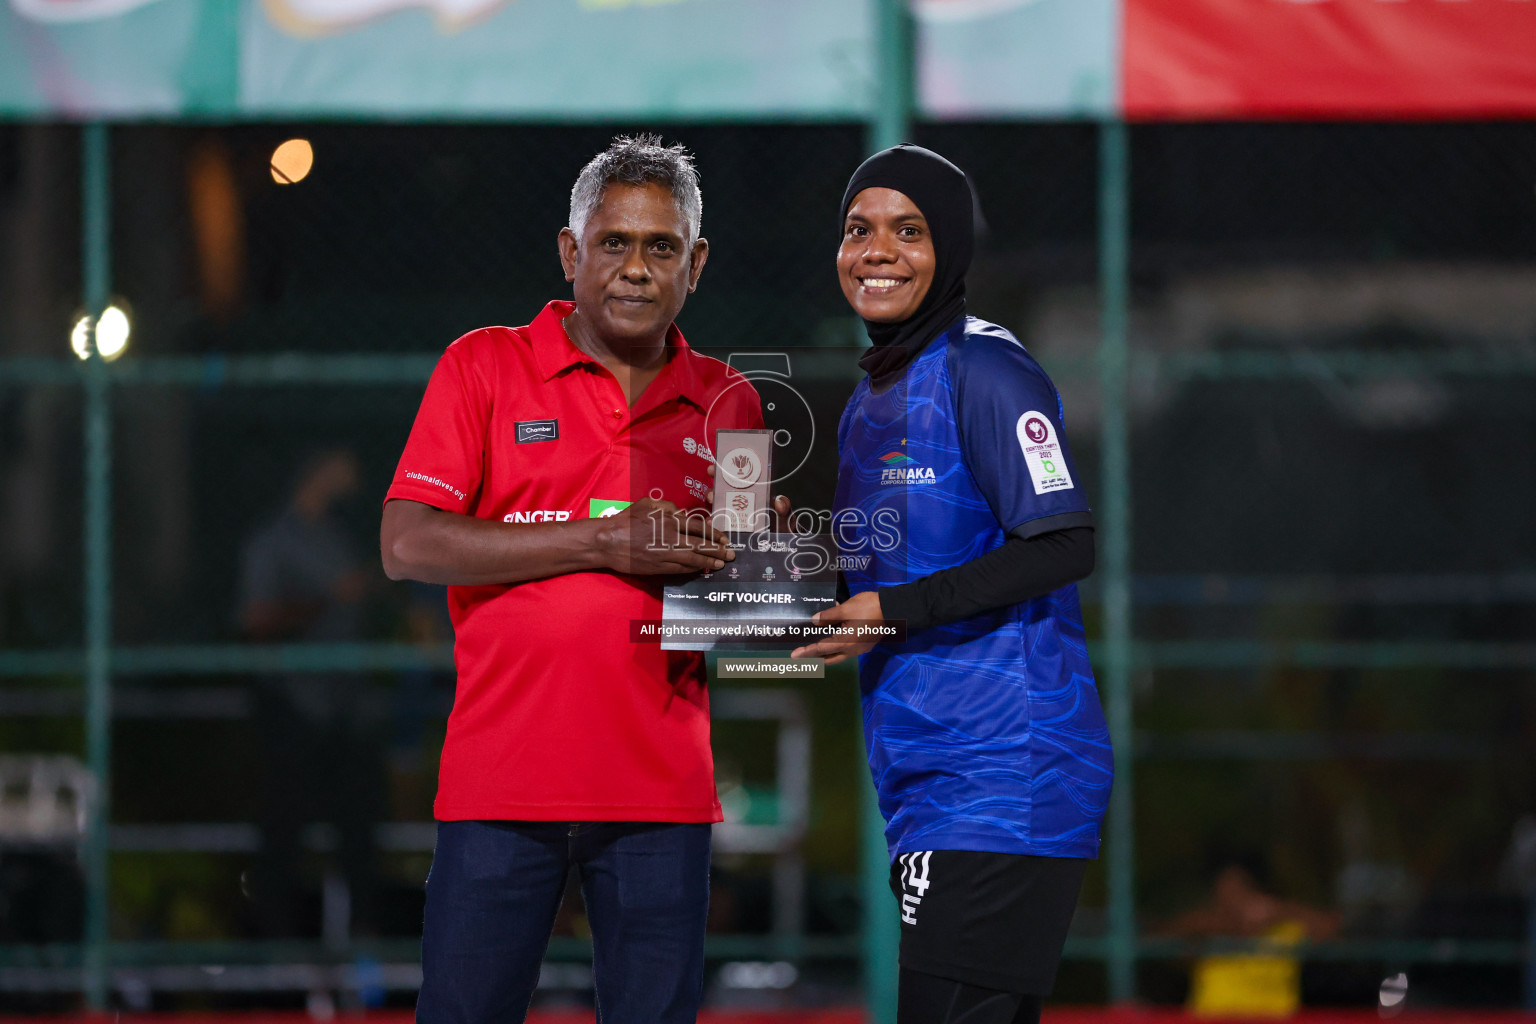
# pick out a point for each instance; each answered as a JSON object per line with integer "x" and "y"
{"x": 1223, "y": 59}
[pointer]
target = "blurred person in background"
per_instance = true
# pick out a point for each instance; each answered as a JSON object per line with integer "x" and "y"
{"x": 303, "y": 582}
{"x": 424, "y": 692}
{"x": 986, "y": 740}
{"x": 1266, "y": 982}
{"x": 1240, "y": 907}
{"x": 545, "y": 464}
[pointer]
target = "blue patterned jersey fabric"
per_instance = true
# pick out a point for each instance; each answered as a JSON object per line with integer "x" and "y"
{"x": 983, "y": 734}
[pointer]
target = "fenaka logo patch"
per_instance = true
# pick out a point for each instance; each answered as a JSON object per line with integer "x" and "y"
{"x": 1042, "y": 453}
{"x": 529, "y": 431}
{"x": 900, "y": 468}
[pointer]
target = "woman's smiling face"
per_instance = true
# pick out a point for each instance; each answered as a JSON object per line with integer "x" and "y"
{"x": 886, "y": 260}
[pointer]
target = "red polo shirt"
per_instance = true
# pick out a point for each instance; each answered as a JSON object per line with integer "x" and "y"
{"x": 558, "y": 716}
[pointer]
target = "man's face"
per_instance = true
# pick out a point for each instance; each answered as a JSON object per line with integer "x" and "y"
{"x": 630, "y": 271}
{"x": 886, "y": 261}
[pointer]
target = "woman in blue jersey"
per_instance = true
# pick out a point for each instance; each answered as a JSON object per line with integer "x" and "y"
{"x": 958, "y": 497}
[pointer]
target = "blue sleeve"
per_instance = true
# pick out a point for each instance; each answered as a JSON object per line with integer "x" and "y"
{"x": 1011, "y": 434}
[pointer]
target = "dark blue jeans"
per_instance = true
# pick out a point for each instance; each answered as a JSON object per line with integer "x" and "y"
{"x": 495, "y": 887}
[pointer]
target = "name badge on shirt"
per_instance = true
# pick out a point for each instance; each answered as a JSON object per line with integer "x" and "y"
{"x": 529, "y": 431}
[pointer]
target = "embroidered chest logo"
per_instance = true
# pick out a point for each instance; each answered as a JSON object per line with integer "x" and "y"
{"x": 529, "y": 431}
{"x": 900, "y": 468}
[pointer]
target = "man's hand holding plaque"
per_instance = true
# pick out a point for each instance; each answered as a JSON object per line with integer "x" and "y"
{"x": 767, "y": 594}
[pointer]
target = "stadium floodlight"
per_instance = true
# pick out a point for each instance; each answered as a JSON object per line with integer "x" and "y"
{"x": 112, "y": 333}
{"x": 291, "y": 161}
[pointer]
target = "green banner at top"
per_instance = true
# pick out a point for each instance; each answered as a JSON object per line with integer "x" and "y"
{"x": 554, "y": 58}
{"x": 1017, "y": 58}
{"x": 117, "y": 58}
{"x": 436, "y": 58}
{"x": 538, "y": 59}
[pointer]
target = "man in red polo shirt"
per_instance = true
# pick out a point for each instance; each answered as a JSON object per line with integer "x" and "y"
{"x": 544, "y": 481}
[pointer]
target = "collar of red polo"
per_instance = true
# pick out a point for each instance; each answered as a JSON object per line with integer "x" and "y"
{"x": 555, "y": 352}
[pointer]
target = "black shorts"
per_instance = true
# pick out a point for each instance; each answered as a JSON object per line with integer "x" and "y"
{"x": 995, "y": 920}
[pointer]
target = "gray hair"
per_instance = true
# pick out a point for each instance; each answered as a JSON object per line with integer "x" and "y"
{"x": 639, "y": 160}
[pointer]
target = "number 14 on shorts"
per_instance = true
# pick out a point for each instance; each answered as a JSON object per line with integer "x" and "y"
{"x": 914, "y": 883}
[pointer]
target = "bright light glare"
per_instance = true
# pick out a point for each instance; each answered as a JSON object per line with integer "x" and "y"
{"x": 1394, "y": 992}
{"x": 756, "y": 974}
{"x": 291, "y": 161}
{"x": 111, "y": 335}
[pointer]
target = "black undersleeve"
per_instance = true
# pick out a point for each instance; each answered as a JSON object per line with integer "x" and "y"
{"x": 1023, "y": 568}
{"x": 929, "y": 999}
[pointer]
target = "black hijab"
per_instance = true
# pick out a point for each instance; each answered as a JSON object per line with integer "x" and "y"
{"x": 941, "y": 191}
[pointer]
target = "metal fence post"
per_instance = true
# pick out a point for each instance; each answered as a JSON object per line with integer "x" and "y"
{"x": 96, "y": 200}
{"x": 890, "y": 123}
{"x": 1530, "y": 945}
{"x": 892, "y": 84}
{"x": 882, "y": 932}
{"x": 1115, "y": 564}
